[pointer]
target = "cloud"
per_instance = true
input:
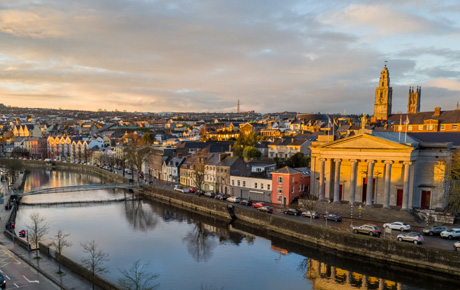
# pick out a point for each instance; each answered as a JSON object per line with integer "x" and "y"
{"x": 448, "y": 84}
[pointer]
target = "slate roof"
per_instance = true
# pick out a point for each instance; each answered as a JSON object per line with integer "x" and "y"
{"x": 438, "y": 137}
{"x": 287, "y": 170}
{"x": 451, "y": 116}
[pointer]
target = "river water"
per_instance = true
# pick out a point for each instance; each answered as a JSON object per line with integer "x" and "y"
{"x": 190, "y": 251}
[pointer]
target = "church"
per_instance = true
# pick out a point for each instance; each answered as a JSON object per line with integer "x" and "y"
{"x": 382, "y": 168}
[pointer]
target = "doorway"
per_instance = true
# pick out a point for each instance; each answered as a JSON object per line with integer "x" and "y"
{"x": 399, "y": 197}
{"x": 426, "y": 198}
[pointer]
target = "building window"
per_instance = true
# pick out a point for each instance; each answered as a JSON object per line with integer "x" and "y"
{"x": 443, "y": 127}
{"x": 280, "y": 189}
{"x": 244, "y": 183}
{"x": 255, "y": 185}
{"x": 293, "y": 189}
{"x": 420, "y": 127}
{"x": 399, "y": 128}
{"x": 409, "y": 128}
{"x": 300, "y": 187}
{"x": 233, "y": 182}
{"x": 238, "y": 183}
{"x": 293, "y": 179}
{"x": 261, "y": 186}
{"x": 279, "y": 198}
{"x": 280, "y": 179}
{"x": 454, "y": 127}
{"x": 268, "y": 186}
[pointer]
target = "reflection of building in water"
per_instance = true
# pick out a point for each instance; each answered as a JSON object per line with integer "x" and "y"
{"x": 325, "y": 277}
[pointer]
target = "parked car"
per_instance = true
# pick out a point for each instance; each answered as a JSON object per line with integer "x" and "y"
{"x": 292, "y": 211}
{"x": 233, "y": 199}
{"x": 457, "y": 246}
{"x": 258, "y": 204}
{"x": 371, "y": 230}
{"x": 178, "y": 188}
{"x": 310, "y": 214}
{"x": 333, "y": 217}
{"x": 221, "y": 197}
{"x": 2, "y": 281}
{"x": 246, "y": 202}
{"x": 453, "y": 233}
{"x": 209, "y": 194}
{"x": 192, "y": 190}
{"x": 434, "y": 230}
{"x": 266, "y": 209}
{"x": 397, "y": 226}
{"x": 410, "y": 237}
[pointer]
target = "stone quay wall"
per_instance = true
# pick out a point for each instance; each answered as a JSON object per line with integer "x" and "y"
{"x": 378, "y": 250}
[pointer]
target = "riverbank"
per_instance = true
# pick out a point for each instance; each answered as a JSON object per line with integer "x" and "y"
{"x": 391, "y": 252}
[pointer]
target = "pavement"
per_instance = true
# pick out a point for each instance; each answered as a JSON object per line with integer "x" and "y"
{"x": 46, "y": 266}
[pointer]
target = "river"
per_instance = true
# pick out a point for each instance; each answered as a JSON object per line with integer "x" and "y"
{"x": 190, "y": 251}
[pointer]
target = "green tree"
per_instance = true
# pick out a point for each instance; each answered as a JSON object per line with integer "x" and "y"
{"x": 250, "y": 152}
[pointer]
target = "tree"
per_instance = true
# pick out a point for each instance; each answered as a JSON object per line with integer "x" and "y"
{"x": 13, "y": 166}
{"x": 199, "y": 170}
{"x": 94, "y": 260}
{"x": 37, "y": 230}
{"x": 147, "y": 138}
{"x": 60, "y": 242}
{"x": 136, "y": 156}
{"x": 137, "y": 277}
{"x": 250, "y": 153}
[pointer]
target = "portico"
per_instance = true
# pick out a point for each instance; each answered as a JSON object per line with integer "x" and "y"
{"x": 376, "y": 168}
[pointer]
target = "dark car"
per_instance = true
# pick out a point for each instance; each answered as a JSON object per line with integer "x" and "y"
{"x": 221, "y": 197}
{"x": 292, "y": 211}
{"x": 333, "y": 217}
{"x": 434, "y": 230}
{"x": 2, "y": 281}
{"x": 370, "y": 230}
{"x": 246, "y": 202}
{"x": 209, "y": 194}
{"x": 266, "y": 209}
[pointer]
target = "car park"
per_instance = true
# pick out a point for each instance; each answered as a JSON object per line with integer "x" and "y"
{"x": 310, "y": 214}
{"x": 434, "y": 230}
{"x": 456, "y": 246}
{"x": 333, "y": 217}
{"x": 292, "y": 211}
{"x": 233, "y": 199}
{"x": 410, "y": 237}
{"x": 453, "y": 233}
{"x": 246, "y": 202}
{"x": 371, "y": 230}
{"x": 397, "y": 226}
{"x": 258, "y": 204}
{"x": 266, "y": 209}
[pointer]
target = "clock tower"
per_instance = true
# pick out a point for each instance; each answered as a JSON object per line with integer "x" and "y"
{"x": 383, "y": 96}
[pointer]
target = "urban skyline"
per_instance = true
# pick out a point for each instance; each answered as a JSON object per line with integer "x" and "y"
{"x": 160, "y": 56}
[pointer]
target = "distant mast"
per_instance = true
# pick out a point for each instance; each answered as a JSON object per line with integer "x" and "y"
{"x": 238, "y": 107}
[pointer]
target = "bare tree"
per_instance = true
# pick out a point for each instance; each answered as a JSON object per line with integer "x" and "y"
{"x": 136, "y": 156}
{"x": 37, "y": 230}
{"x": 137, "y": 277}
{"x": 60, "y": 242}
{"x": 199, "y": 170}
{"x": 95, "y": 259}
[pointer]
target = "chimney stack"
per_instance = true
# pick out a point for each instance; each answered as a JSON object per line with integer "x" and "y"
{"x": 437, "y": 111}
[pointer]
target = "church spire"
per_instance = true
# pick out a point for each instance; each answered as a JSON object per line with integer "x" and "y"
{"x": 383, "y": 96}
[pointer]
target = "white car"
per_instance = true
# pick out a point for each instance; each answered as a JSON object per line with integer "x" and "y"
{"x": 453, "y": 233}
{"x": 233, "y": 199}
{"x": 397, "y": 226}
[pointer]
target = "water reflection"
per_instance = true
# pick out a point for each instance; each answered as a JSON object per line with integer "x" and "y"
{"x": 208, "y": 251}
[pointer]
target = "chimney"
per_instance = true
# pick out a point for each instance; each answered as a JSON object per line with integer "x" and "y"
{"x": 437, "y": 111}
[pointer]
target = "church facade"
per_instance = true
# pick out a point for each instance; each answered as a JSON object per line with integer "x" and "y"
{"x": 378, "y": 168}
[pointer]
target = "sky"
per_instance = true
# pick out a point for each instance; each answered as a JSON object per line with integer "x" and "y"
{"x": 203, "y": 55}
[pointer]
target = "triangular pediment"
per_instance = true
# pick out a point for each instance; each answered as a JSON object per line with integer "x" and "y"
{"x": 367, "y": 142}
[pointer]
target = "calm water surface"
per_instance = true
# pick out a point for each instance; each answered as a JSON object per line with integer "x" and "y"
{"x": 190, "y": 251}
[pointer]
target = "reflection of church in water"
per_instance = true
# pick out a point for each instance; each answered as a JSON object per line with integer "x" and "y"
{"x": 326, "y": 277}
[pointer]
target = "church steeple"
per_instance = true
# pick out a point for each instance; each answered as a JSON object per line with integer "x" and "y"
{"x": 383, "y": 96}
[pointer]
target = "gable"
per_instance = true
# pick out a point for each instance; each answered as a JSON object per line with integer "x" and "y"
{"x": 366, "y": 142}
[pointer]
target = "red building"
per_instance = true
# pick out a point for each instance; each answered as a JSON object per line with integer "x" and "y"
{"x": 289, "y": 183}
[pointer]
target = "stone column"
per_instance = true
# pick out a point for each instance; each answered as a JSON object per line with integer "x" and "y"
{"x": 354, "y": 162}
{"x": 405, "y": 201}
{"x": 321, "y": 178}
{"x": 386, "y": 193}
{"x": 370, "y": 182}
{"x": 337, "y": 180}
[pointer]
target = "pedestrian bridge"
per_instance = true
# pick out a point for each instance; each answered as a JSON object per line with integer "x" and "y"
{"x": 75, "y": 188}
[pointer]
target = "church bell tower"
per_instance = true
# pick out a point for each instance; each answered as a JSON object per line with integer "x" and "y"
{"x": 383, "y": 96}
{"x": 414, "y": 100}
